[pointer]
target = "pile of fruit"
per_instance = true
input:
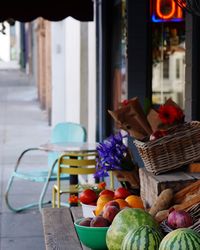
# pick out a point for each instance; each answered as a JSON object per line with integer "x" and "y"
{"x": 119, "y": 198}
{"x": 108, "y": 204}
{"x": 131, "y": 227}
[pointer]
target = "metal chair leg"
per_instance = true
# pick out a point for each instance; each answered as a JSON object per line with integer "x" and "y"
{"x": 10, "y": 182}
{"x": 58, "y": 198}
{"x": 18, "y": 209}
{"x": 44, "y": 190}
{"x": 53, "y": 197}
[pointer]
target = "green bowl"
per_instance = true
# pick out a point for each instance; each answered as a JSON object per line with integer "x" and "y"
{"x": 92, "y": 237}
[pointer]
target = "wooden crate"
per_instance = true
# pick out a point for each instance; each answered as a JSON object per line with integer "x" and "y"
{"x": 194, "y": 167}
{"x": 151, "y": 185}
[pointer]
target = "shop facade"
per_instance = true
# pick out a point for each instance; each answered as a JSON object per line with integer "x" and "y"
{"x": 148, "y": 49}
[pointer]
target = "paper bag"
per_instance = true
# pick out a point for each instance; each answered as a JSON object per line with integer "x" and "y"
{"x": 131, "y": 118}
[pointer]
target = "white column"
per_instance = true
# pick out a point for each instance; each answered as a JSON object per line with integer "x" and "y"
{"x": 17, "y": 30}
{"x": 58, "y": 72}
{"x": 72, "y": 70}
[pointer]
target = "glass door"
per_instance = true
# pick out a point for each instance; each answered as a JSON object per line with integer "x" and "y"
{"x": 168, "y": 52}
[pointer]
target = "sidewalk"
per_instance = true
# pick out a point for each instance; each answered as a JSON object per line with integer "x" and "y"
{"x": 22, "y": 124}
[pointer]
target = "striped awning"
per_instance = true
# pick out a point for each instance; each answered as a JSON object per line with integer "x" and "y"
{"x": 29, "y": 10}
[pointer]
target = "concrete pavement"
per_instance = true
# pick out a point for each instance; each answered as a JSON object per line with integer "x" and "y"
{"x": 22, "y": 124}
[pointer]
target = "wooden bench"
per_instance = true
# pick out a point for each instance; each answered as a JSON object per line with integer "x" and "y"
{"x": 59, "y": 231}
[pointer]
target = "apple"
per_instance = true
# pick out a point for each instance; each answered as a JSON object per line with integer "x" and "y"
{"x": 107, "y": 192}
{"x": 88, "y": 196}
{"x": 121, "y": 193}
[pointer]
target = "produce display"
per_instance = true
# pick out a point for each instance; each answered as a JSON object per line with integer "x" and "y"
{"x": 121, "y": 195}
{"x": 172, "y": 223}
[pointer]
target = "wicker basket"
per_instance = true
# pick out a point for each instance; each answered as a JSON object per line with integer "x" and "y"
{"x": 180, "y": 147}
{"x": 194, "y": 211}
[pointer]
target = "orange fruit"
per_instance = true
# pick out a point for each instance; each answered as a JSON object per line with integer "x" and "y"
{"x": 104, "y": 199}
{"x": 134, "y": 201}
{"x": 122, "y": 203}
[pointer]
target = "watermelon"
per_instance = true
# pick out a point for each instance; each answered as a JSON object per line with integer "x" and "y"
{"x": 124, "y": 221}
{"x": 181, "y": 239}
{"x": 142, "y": 238}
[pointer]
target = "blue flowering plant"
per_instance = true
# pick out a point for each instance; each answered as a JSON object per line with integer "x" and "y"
{"x": 113, "y": 154}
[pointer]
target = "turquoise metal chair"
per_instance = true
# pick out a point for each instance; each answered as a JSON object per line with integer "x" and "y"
{"x": 62, "y": 132}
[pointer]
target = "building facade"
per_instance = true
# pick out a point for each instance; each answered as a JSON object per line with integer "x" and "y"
{"x": 161, "y": 55}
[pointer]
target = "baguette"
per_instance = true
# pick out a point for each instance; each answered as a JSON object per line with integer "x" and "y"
{"x": 191, "y": 189}
{"x": 189, "y": 203}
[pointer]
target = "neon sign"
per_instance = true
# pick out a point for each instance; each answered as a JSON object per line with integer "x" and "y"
{"x": 166, "y": 11}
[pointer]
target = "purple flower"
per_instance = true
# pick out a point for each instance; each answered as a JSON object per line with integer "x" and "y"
{"x": 111, "y": 153}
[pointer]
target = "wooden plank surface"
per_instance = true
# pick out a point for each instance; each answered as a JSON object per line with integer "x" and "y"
{"x": 76, "y": 212}
{"x": 59, "y": 229}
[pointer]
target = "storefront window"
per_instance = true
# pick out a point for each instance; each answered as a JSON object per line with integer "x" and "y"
{"x": 168, "y": 52}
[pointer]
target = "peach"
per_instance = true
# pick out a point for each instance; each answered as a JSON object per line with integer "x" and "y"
{"x": 111, "y": 203}
{"x": 99, "y": 221}
{"x": 85, "y": 222}
{"x": 110, "y": 212}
